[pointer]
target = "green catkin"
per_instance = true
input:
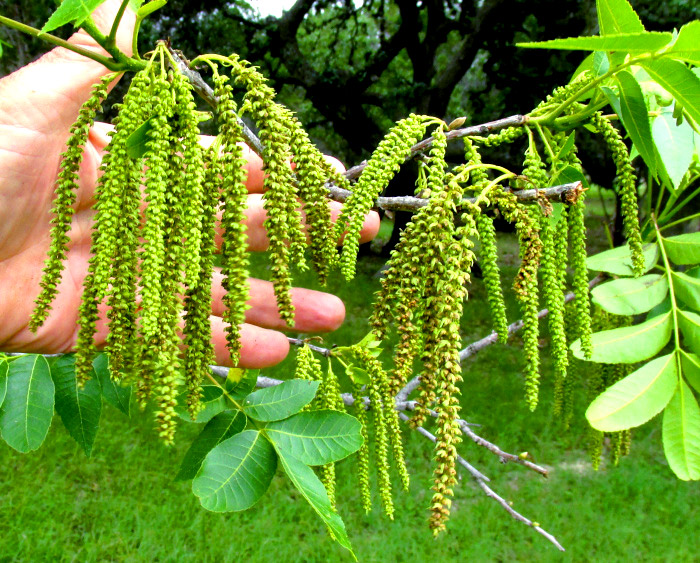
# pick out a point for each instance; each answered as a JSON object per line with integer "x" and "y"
{"x": 312, "y": 172}
{"x": 562, "y": 93}
{"x": 157, "y": 214}
{"x": 626, "y": 181}
{"x": 488, "y": 260}
{"x": 594, "y": 439}
{"x": 65, "y": 193}
{"x": 553, "y": 297}
{"x": 108, "y": 229}
{"x": 199, "y": 352}
{"x": 234, "y": 198}
{"x": 360, "y": 414}
{"x": 504, "y": 136}
{"x": 283, "y": 223}
{"x": 382, "y": 166}
{"x": 577, "y": 237}
{"x": 525, "y": 286}
{"x": 330, "y": 398}
{"x": 534, "y": 168}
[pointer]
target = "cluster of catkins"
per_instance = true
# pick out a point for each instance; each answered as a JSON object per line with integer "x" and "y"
{"x": 152, "y": 264}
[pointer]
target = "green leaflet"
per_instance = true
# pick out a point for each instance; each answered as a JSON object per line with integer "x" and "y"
{"x": 240, "y": 385}
{"x": 116, "y": 395}
{"x": 679, "y": 81}
{"x": 674, "y": 144}
{"x": 71, "y": 11}
{"x": 629, "y": 344}
{"x": 567, "y": 174}
{"x": 601, "y": 63}
{"x": 306, "y": 482}
{"x": 690, "y": 328}
{"x": 280, "y": 401}
{"x": 317, "y": 437}
{"x": 681, "y": 434}
{"x": 687, "y": 289}
{"x": 4, "y": 366}
{"x": 213, "y": 402}
{"x": 26, "y": 414}
{"x": 683, "y": 249}
{"x": 637, "y": 398}
{"x": 79, "y": 409}
{"x": 687, "y": 45}
{"x": 619, "y": 260}
{"x": 236, "y": 473}
{"x": 218, "y": 429}
{"x": 617, "y": 16}
{"x": 690, "y": 364}
{"x": 635, "y": 117}
{"x": 137, "y": 142}
{"x": 631, "y": 296}
{"x": 645, "y": 42}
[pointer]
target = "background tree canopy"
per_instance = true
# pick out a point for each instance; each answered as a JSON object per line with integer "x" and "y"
{"x": 350, "y": 71}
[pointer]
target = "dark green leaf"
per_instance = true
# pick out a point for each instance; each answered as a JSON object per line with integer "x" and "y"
{"x": 647, "y": 42}
{"x": 218, "y": 429}
{"x": 687, "y": 289}
{"x": 681, "y": 434}
{"x": 690, "y": 364}
{"x": 71, "y": 11}
{"x": 236, "y": 473}
{"x": 679, "y": 81}
{"x": 631, "y": 296}
{"x": 116, "y": 395}
{"x": 26, "y": 414}
{"x": 690, "y": 328}
{"x": 683, "y": 249}
{"x": 630, "y": 344}
{"x": 306, "y": 482}
{"x": 79, "y": 409}
{"x": 636, "y": 398}
{"x": 280, "y": 401}
{"x": 617, "y": 16}
{"x": 137, "y": 142}
{"x": 213, "y": 402}
{"x": 687, "y": 46}
{"x": 635, "y": 117}
{"x": 619, "y": 260}
{"x": 318, "y": 437}
{"x": 674, "y": 144}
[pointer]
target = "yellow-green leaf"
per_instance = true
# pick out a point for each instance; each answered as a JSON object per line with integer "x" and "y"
{"x": 681, "y": 434}
{"x": 635, "y": 117}
{"x": 690, "y": 328}
{"x": 646, "y": 42}
{"x": 690, "y": 365}
{"x": 619, "y": 260}
{"x": 683, "y": 249}
{"x": 630, "y": 344}
{"x": 674, "y": 143}
{"x": 71, "y": 11}
{"x": 687, "y": 45}
{"x": 679, "y": 81}
{"x": 687, "y": 289}
{"x": 617, "y": 16}
{"x": 637, "y": 398}
{"x": 631, "y": 296}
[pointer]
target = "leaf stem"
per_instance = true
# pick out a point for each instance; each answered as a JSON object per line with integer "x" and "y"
{"x": 111, "y": 40}
{"x": 672, "y": 295}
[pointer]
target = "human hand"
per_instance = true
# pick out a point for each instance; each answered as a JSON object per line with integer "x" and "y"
{"x": 38, "y": 104}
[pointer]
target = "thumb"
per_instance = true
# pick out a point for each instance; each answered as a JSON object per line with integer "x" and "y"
{"x": 46, "y": 95}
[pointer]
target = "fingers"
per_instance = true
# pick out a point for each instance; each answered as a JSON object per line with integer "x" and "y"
{"x": 257, "y": 235}
{"x": 315, "y": 311}
{"x": 260, "y": 347}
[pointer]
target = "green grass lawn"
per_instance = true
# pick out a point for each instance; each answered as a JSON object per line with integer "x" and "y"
{"x": 123, "y": 505}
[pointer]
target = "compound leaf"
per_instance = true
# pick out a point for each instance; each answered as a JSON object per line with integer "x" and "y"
{"x": 617, "y": 16}
{"x": 681, "y": 434}
{"x": 306, "y": 482}
{"x": 280, "y": 401}
{"x": 236, "y": 473}
{"x": 114, "y": 393}
{"x": 619, "y": 260}
{"x": 631, "y": 296}
{"x": 71, "y": 11}
{"x": 630, "y": 344}
{"x": 78, "y": 408}
{"x": 27, "y": 411}
{"x": 637, "y": 398}
{"x": 317, "y": 437}
{"x": 218, "y": 429}
{"x": 683, "y": 249}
